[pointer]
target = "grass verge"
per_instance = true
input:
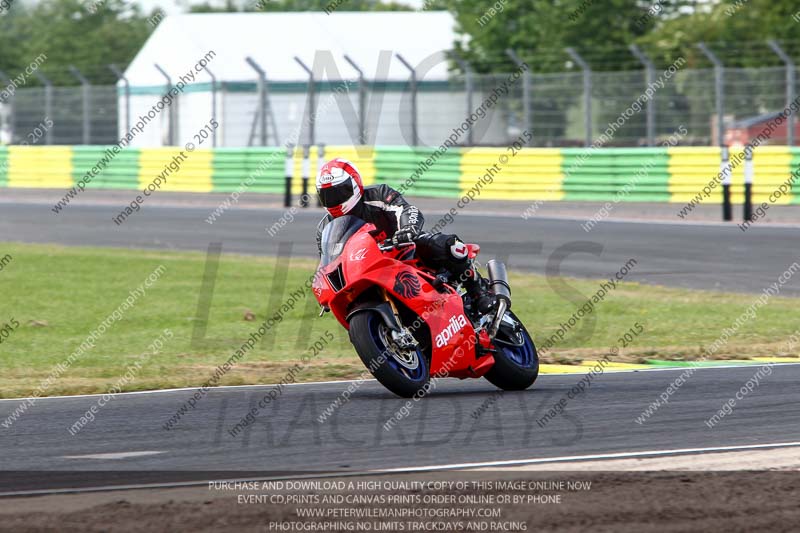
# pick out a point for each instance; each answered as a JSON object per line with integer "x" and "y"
{"x": 58, "y": 295}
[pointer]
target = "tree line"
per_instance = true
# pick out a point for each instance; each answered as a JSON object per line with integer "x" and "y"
{"x": 90, "y": 34}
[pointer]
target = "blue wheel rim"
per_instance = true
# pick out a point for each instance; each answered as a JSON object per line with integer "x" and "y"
{"x": 524, "y": 356}
{"x": 417, "y": 374}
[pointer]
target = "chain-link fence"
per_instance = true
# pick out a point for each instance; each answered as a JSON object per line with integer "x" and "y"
{"x": 33, "y": 106}
{"x": 639, "y": 108}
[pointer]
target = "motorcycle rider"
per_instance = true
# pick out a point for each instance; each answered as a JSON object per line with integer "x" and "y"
{"x": 341, "y": 192}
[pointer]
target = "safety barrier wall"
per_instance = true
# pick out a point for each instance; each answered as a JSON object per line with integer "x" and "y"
{"x": 795, "y": 164}
{"x": 408, "y": 170}
{"x": 3, "y": 166}
{"x": 674, "y": 174}
{"x": 690, "y": 169}
{"x": 119, "y": 172}
{"x": 623, "y": 174}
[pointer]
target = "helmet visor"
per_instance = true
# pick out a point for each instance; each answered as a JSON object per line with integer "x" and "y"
{"x": 335, "y": 195}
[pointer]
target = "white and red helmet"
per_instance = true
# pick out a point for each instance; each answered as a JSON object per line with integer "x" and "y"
{"x": 339, "y": 186}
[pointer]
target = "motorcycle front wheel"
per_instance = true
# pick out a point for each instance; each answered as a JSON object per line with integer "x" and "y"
{"x": 404, "y": 372}
{"x": 516, "y": 363}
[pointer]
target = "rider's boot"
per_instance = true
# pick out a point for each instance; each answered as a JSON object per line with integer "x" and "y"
{"x": 477, "y": 288}
{"x": 453, "y": 254}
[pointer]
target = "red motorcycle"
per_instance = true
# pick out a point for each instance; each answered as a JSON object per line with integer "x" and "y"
{"x": 409, "y": 323}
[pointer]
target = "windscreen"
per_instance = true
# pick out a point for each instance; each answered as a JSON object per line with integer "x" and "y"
{"x": 335, "y": 235}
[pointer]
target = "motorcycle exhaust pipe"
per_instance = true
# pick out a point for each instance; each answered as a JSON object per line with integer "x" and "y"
{"x": 498, "y": 284}
{"x": 498, "y": 280}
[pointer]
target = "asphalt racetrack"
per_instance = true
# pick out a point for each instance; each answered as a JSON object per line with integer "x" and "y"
{"x": 461, "y": 423}
{"x": 679, "y": 254}
{"x": 128, "y": 433}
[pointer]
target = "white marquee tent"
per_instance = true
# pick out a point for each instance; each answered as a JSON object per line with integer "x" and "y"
{"x": 273, "y": 40}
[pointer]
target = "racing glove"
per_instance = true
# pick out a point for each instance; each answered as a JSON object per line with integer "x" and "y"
{"x": 404, "y": 235}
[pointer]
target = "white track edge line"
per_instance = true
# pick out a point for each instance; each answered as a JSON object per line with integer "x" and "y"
{"x": 235, "y": 387}
{"x": 601, "y": 456}
{"x": 409, "y": 470}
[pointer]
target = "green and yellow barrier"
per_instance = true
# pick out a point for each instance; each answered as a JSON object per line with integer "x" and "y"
{"x": 794, "y": 165}
{"x": 183, "y": 171}
{"x": 771, "y": 164}
{"x": 3, "y": 166}
{"x": 114, "y": 171}
{"x": 40, "y": 167}
{"x": 419, "y": 171}
{"x": 257, "y": 170}
{"x": 692, "y": 168}
{"x": 526, "y": 174}
{"x": 675, "y": 174}
{"x": 621, "y": 174}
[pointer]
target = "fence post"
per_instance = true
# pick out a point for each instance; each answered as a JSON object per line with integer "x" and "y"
{"x": 719, "y": 90}
{"x": 414, "y": 132}
{"x": 650, "y": 78}
{"x": 121, "y": 75}
{"x": 262, "y": 98}
{"x": 725, "y": 168}
{"x": 312, "y": 106}
{"x": 173, "y": 126}
{"x": 11, "y": 105}
{"x": 587, "y": 92}
{"x": 48, "y": 104}
{"x": 86, "y": 88}
{"x": 289, "y": 171}
{"x": 362, "y": 98}
{"x": 526, "y": 92}
{"x": 748, "y": 183}
{"x": 791, "y": 76}
{"x": 320, "y": 163}
{"x": 213, "y": 106}
{"x": 469, "y": 89}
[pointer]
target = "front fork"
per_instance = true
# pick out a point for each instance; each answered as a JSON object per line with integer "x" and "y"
{"x": 403, "y": 338}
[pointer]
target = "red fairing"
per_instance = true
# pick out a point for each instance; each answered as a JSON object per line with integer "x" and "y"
{"x": 364, "y": 266}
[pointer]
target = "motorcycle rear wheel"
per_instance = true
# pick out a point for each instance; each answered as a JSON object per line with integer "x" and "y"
{"x": 516, "y": 363}
{"x": 405, "y": 374}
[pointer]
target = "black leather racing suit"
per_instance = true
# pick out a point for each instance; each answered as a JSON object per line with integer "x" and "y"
{"x": 389, "y": 211}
